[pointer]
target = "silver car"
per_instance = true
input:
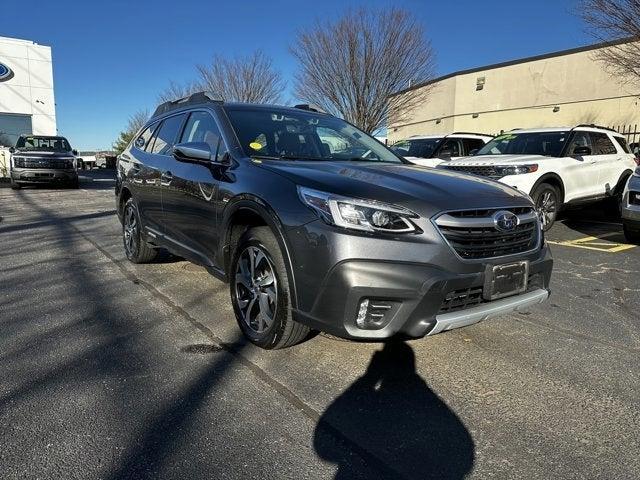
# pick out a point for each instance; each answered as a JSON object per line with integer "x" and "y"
{"x": 631, "y": 208}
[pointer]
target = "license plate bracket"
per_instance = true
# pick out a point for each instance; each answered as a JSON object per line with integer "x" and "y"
{"x": 505, "y": 280}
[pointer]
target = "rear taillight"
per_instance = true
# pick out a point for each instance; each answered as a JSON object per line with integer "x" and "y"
{"x": 637, "y": 159}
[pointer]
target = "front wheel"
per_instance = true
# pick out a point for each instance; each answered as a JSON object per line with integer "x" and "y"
{"x": 547, "y": 200}
{"x": 260, "y": 292}
{"x": 15, "y": 185}
{"x": 136, "y": 249}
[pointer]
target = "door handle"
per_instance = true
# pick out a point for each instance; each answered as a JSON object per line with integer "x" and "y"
{"x": 165, "y": 178}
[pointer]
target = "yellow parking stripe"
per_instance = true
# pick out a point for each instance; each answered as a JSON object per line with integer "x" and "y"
{"x": 592, "y": 243}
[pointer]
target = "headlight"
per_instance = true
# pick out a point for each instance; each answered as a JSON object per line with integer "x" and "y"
{"x": 356, "y": 214}
{"x": 506, "y": 170}
{"x": 18, "y": 162}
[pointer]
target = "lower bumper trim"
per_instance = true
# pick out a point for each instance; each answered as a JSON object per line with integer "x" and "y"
{"x": 450, "y": 321}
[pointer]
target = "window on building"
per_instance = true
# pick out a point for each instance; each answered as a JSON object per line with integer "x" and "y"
{"x": 12, "y": 126}
{"x": 166, "y": 135}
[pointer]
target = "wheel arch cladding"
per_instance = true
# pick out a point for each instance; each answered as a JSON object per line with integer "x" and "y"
{"x": 250, "y": 212}
{"x": 552, "y": 179}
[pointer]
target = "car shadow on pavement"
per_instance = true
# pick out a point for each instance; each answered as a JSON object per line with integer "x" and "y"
{"x": 600, "y": 220}
{"x": 403, "y": 428}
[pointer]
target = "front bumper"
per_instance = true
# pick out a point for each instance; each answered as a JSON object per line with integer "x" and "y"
{"x": 43, "y": 175}
{"x": 412, "y": 282}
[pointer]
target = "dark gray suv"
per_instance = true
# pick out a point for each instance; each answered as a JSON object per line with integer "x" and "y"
{"x": 318, "y": 226}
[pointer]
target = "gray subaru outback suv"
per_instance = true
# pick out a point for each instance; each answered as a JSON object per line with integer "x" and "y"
{"x": 318, "y": 226}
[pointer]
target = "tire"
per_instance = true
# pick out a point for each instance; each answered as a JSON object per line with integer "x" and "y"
{"x": 632, "y": 236}
{"x": 135, "y": 248}
{"x": 261, "y": 296}
{"x": 15, "y": 185}
{"x": 75, "y": 184}
{"x": 549, "y": 195}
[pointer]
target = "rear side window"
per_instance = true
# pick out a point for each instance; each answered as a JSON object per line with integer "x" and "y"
{"x": 166, "y": 135}
{"x": 601, "y": 144}
{"x": 623, "y": 144}
{"x": 201, "y": 127}
{"x": 450, "y": 147}
{"x": 472, "y": 144}
{"x": 144, "y": 139}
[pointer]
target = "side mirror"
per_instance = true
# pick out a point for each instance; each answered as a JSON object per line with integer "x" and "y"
{"x": 12, "y": 149}
{"x": 473, "y": 152}
{"x": 198, "y": 152}
{"x": 74, "y": 151}
{"x": 582, "y": 151}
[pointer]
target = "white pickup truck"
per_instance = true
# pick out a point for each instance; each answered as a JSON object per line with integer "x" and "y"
{"x": 555, "y": 166}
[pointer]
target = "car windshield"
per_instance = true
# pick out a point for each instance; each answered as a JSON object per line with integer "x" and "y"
{"x": 53, "y": 144}
{"x": 418, "y": 147}
{"x": 549, "y": 144}
{"x": 292, "y": 135}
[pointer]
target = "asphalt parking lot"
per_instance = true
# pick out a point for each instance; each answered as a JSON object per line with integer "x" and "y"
{"x": 110, "y": 370}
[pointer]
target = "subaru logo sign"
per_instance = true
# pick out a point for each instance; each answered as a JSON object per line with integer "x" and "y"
{"x": 505, "y": 221}
{"x": 5, "y": 72}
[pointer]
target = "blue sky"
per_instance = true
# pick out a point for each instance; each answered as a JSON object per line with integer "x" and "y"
{"x": 111, "y": 58}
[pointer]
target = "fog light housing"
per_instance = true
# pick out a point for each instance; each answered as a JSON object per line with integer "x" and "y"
{"x": 373, "y": 314}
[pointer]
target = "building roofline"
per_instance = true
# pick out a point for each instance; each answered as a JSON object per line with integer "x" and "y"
{"x": 509, "y": 63}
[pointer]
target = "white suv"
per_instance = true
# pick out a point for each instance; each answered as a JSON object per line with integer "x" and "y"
{"x": 556, "y": 166}
{"x": 432, "y": 150}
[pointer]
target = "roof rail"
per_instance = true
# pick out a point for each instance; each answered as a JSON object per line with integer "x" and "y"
{"x": 593, "y": 125}
{"x": 309, "y": 107}
{"x": 193, "y": 99}
{"x": 470, "y": 133}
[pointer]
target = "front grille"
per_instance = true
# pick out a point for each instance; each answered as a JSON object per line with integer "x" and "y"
{"x": 465, "y": 298}
{"x": 480, "y": 170}
{"x": 473, "y": 234}
{"x": 461, "y": 299}
{"x": 54, "y": 163}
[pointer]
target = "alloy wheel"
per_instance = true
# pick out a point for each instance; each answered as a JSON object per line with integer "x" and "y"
{"x": 256, "y": 289}
{"x": 130, "y": 231}
{"x": 548, "y": 205}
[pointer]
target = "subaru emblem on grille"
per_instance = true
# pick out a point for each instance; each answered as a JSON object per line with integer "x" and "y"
{"x": 505, "y": 221}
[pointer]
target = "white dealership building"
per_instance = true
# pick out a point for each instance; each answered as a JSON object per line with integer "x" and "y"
{"x": 27, "y": 102}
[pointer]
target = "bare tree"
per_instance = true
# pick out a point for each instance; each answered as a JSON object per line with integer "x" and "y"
{"x": 176, "y": 90}
{"x": 250, "y": 79}
{"x": 616, "y": 21}
{"x": 352, "y": 66}
{"x": 135, "y": 123}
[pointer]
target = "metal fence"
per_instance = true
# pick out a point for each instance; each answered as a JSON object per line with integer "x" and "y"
{"x": 631, "y": 132}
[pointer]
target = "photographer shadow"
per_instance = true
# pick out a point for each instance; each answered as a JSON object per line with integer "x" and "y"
{"x": 395, "y": 423}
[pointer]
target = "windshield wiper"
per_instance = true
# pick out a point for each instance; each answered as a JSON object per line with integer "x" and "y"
{"x": 287, "y": 157}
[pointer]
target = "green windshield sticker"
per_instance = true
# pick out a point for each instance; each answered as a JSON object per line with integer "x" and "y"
{"x": 507, "y": 136}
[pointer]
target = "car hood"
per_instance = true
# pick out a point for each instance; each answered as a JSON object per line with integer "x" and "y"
{"x": 483, "y": 160}
{"x": 425, "y": 191}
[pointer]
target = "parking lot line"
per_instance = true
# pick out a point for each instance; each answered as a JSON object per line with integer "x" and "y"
{"x": 592, "y": 243}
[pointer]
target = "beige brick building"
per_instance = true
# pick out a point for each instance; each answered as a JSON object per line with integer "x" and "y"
{"x": 558, "y": 89}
